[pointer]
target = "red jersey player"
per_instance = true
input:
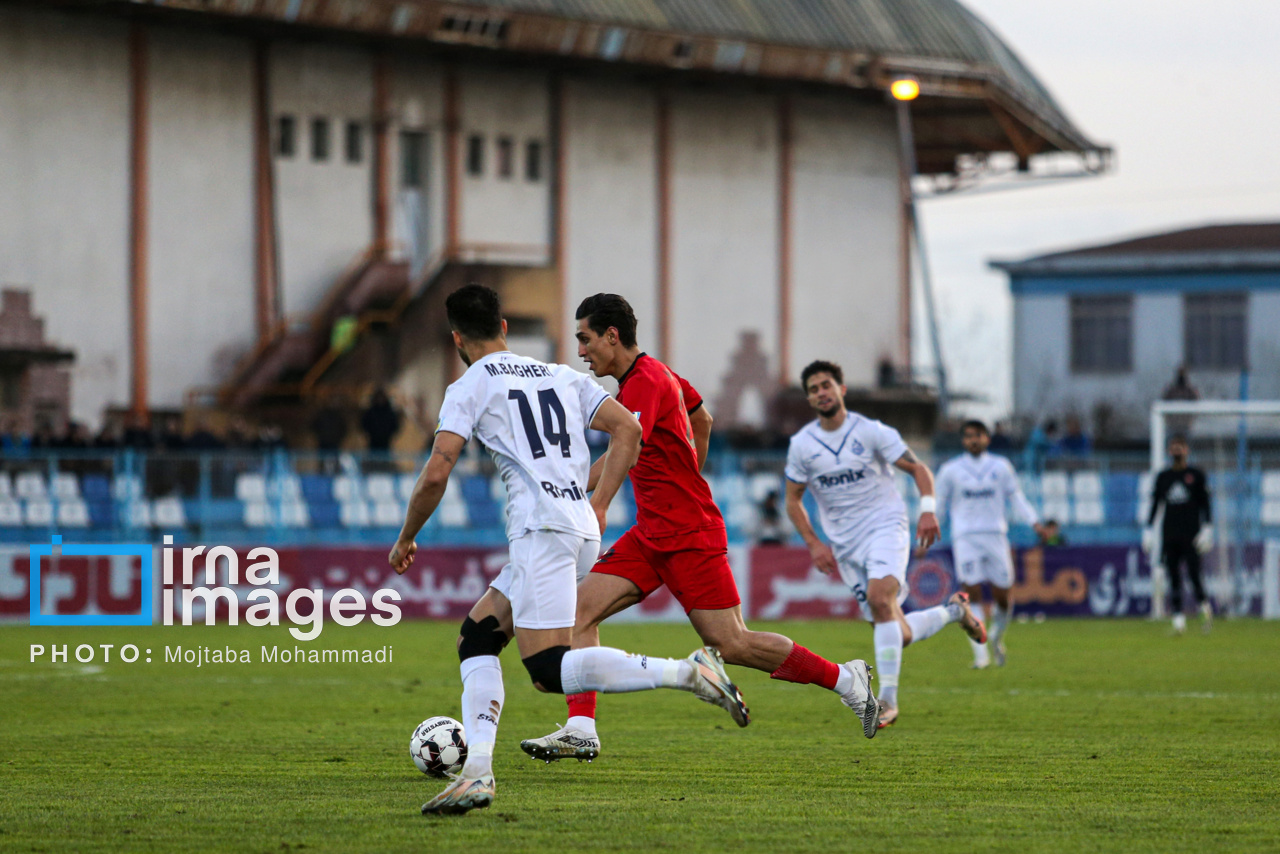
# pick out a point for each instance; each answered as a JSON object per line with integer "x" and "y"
{"x": 678, "y": 540}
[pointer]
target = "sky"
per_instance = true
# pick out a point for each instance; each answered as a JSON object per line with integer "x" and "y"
{"x": 1188, "y": 95}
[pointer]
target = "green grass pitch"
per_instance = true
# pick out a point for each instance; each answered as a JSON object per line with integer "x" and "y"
{"x": 1099, "y": 735}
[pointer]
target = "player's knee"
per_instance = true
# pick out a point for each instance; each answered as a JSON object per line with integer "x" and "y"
{"x": 544, "y": 669}
{"x": 881, "y": 609}
{"x": 482, "y": 638}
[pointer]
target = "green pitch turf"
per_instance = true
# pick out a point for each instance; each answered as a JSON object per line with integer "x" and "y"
{"x": 1098, "y": 736}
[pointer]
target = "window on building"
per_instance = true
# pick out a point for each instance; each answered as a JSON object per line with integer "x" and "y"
{"x": 475, "y": 155}
{"x": 319, "y": 139}
{"x": 1215, "y": 331}
{"x": 413, "y": 160}
{"x": 1102, "y": 334}
{"x": 354, "y": 142}
{"x": 506, "y": 157}
{"x": 286, "y": 136}
{"x": 533, "y": 160}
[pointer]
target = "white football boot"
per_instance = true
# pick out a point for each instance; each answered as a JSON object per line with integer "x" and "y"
{"x": 712, "y": 685}
{"x": 461, "y": 795}
{"x": 564, "y": 743}
{"x": 859, "y": 697}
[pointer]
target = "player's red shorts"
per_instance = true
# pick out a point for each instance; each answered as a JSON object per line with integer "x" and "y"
{"x": 694, "y": 567}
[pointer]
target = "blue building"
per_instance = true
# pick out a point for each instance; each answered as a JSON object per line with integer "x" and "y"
{"x": 1099, "y": 332}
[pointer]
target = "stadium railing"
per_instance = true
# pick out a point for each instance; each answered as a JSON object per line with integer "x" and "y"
{"x": 299, "y": 498}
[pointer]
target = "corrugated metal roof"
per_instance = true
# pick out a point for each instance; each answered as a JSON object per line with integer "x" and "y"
{"x": 1242, "y": 246}
{"x": 933, "y": 29}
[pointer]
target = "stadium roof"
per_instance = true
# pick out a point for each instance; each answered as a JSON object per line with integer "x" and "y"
{"x": 976, "y": 96}
{"x": 1239, "y": 247}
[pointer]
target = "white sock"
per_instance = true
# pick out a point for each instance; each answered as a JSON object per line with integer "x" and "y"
{"x": 999, "y": 622}
{"x": 844, "y": 682}
{"x": 927, "y": 623}
{"x": 980, "y": 654}
{"x": 582, "y": 723}
{"x": 888, "y": 640}
{"x": 482, "y": 699}
{"x": 612, "y": 671}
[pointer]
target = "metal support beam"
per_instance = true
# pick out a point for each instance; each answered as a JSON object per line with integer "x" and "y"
{"x": 139, "y": 93}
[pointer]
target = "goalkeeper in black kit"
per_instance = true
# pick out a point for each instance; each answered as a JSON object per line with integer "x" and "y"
{"x": 1187, "y": 532}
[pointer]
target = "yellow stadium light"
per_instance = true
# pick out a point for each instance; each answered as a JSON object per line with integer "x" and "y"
{"x": 905, "y": 89}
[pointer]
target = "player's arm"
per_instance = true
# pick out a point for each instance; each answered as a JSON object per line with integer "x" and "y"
{"x": 1022, "y": 508}
{"x": 426, "y": 496}
{"x": 624, "y": 449}
{"x": 823, "y": 558}
{"x": 700, "y": 420}
{"x": 927, "y": 530}
{"x": 1157, "y": 495}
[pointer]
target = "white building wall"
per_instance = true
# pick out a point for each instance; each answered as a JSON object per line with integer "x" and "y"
{"x": 64, "y": 189}
{"x": 724, "y": 221}
{"x": 201, "y": 290}
{"x": 1264, "y": 345}
{"x": 505, "y": 218}
{"x": 846, "y": 236}
{"x": 324, "y": 209}
{"x": 611, "y": 202}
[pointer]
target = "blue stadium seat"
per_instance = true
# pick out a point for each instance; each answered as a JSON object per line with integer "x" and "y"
{"x": 101, "y": 513}
{"x": 1120, "y": 492}
{"x": 475, "y": 490}
{"x": 96, "y": 487}
{"x": 317, "y": 487}
{"x": 324, "y": 513}
{"x": 218, "y": 511}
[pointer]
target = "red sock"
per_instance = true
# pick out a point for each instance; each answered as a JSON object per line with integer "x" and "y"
{"x": 582, "y": 705}
{"x": 804, "y": 667}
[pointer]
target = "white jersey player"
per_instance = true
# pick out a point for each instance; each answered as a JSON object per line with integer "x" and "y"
{"x": 847, "y": 461}
{"x": 974, "y": 490}
{"x": 533, "y": 418}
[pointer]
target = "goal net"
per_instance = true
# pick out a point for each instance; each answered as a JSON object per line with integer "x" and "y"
{"x": 1237, "y": 445}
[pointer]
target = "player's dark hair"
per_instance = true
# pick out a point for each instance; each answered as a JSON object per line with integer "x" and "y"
{"x": 821, "y": 367}
{"x": 975, "y": 424}
{"x": 604, "y": 310}
{"x": 475, "y": 312}
{"x": 1178, "y": 439}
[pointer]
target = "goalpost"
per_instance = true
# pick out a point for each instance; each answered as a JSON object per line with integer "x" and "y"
{"x": 1237, "y": 444}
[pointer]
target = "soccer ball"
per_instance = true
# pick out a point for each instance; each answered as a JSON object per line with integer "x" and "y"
{"x": 439, "y": 746}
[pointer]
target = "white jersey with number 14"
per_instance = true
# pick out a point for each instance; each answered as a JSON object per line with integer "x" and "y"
{"x": 532, "y": 417}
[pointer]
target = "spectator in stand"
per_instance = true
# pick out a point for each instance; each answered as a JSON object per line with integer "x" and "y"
{"x": 203, "y": 439}
{"x": 1000, "y": 441}
{"x": 12, "y": 440}
{"x": 1075, "y": 443}
{"x": 171, "y": 438}
{"x": 1041, "y": 444}
{"x": 330, "y": 428}
{"x": 1051, "y": 534}
{"x": 76, "y": 438}
{"x": 136, "y": 434}
{"x": 771, "y": 533}
{"x": 44, "y": 439}
{"x": 380, "y": 422}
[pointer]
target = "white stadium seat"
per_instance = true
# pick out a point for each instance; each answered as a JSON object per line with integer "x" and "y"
{"x": 30, "y": 486}
{"x": 354, "y": 514}
{"x": 404, "y": 486}
{"x": 285, "y": 488}
{"x": 617, "y": 515}
{"x": 454, "y": 515}
{"x": 38, "y": 512}
{"x": 137, "y": 514}
{"x": 1086, "y": 485}
{"x": 762, "y": 484}
{"x": 73, "y": 513}
{"x": 126, "y": 487}
{"x": 66, "y": 486}
{"x": 1271, "y": 512}
{"x": 1056, "y": 508}
{"x": 346, "y": 488}
{"x": 6, "y": 485}
{"x": 251, "y": 487}
{"x": 1271, "y": 485}
{"x": 380, "y": 487}
{"x": 293, "y": 514}
{"x": 169, "y": 512}
{"x": 256, "y": 514}
{"x": 1053, "y": 485}
{"x": 10, "y": 512}
{"x": 387, "y": 514}
{"x": 1089, "y": 512}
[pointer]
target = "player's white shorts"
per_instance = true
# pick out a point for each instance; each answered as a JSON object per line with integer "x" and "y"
{"x": 541, "y": 581}
{"x": 983, "y": 558}
{"x": 880, "y": 554}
